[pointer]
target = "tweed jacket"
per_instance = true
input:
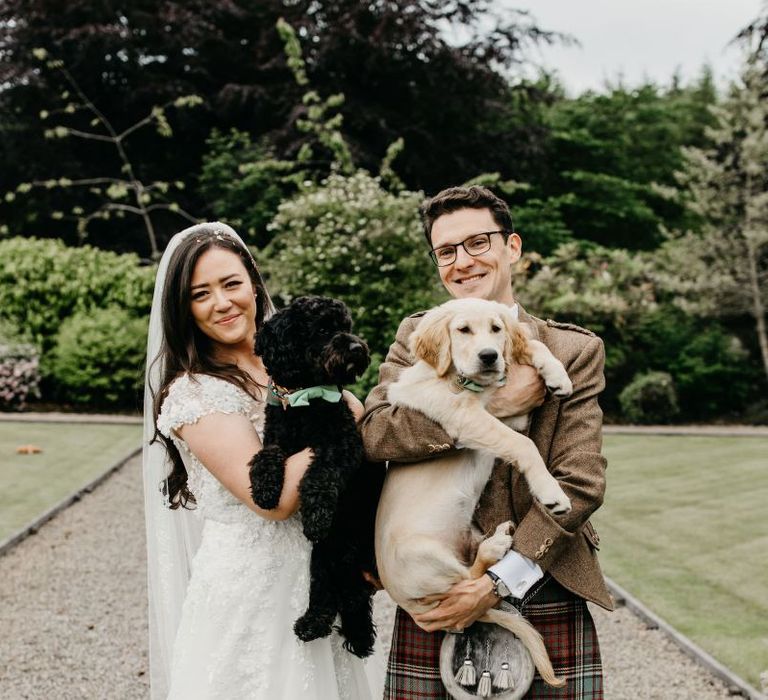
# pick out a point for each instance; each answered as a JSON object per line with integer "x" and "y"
{"x": 567, "y": 433}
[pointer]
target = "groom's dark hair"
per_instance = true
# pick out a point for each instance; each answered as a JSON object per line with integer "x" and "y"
{"x": 455, "y": 198}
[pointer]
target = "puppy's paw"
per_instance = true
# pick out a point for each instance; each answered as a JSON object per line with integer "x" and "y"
{"x": 312, "y": 625}
{"x": 266, "y": 476}
{"x": 559, "y": 383}
{"x": 316, "y": 523}
{"x": 549, "y": 493}
{"x": 556, "y": 502}
{"x": 495, "y": 547}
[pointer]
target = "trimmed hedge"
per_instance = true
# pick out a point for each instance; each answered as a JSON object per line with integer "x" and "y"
{"x": 86, "y": 310}
{"x": 98, "y": 359}
{"x": 43, "y": 282}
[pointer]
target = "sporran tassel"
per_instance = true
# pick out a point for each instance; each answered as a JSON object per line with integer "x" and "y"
{"x": 466, "y": 675}
{"x": 484, "y": 686}
{"x": 503, "y": 680}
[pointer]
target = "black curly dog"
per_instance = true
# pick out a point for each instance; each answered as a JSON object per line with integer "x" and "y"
{"x": 309, "y": 343}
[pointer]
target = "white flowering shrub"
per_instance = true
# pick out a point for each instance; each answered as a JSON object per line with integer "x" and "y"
{"x": 608, "y": 291}
{"x": 349, "y": 238}
{"x": 19, "y": 374}
{"x": 601, "y": 288}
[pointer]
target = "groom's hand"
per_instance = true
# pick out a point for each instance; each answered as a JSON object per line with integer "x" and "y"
{"x": 462, "y": 605}
{"x": 524, "y": 391}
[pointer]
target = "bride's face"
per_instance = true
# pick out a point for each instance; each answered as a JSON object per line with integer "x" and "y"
{"x": 222, "y": 298}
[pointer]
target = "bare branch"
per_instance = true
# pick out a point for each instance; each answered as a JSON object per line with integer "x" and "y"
{"x": 114, "y": 206}
{"x": 83, "y": 182}
{"x": 175, "y": 209}
{"x": 87, "y": 135}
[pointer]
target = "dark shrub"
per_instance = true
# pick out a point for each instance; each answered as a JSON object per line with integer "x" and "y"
{"x": 99, "y": 357}
{"x": 649, "y": 398}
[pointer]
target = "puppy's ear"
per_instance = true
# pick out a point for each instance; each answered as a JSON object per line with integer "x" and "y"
{"x": 516, "y": 347}
{"x": 431, "y": 341}
{"x": 266, "y": 342}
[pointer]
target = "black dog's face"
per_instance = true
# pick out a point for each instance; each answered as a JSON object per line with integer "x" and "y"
{"x": 310, "y": 342}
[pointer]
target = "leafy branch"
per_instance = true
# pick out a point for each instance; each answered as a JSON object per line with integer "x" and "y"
{"x": 320, "y": 120}
{"x": 126, "y": 194}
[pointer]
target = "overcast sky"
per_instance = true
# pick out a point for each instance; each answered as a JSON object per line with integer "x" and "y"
{"x": 640, "y": 38}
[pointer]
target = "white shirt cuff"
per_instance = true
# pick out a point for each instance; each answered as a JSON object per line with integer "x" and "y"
{"x": 518, "y": 572}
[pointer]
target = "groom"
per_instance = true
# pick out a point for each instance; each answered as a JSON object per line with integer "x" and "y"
{"x": 552, "y": 569}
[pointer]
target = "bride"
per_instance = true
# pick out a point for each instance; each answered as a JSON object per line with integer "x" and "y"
{"x": 226, "y": 579}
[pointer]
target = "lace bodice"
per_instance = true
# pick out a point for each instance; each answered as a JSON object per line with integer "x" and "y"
{"x": 190, "y": 398}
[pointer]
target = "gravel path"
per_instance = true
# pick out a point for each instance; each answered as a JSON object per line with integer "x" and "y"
{"x": 73, "y": 614}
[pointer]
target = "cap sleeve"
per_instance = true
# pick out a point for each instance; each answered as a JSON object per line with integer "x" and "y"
{"x": 192, "y": 396}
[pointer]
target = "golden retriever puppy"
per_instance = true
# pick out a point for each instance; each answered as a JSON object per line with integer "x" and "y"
{"x": 424, "y": 538}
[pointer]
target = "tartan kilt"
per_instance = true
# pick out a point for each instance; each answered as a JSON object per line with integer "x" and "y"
{"x": 564, "y": 622}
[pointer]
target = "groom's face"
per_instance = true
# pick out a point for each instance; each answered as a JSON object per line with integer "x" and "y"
{"x": 484, "y": 276}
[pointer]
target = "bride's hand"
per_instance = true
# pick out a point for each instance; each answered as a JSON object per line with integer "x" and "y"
{"x": 354, "y": 404}
{"x": 370, "y": 578}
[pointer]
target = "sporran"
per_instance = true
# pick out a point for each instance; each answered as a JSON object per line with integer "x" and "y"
{"x": 486, "y": 661}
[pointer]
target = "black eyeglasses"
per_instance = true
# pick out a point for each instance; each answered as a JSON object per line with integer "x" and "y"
{"x": 476, "y": 244}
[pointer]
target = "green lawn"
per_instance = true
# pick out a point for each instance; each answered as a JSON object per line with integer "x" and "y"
{"x": 73, "y": 454}
{"x": 684, "y": 528}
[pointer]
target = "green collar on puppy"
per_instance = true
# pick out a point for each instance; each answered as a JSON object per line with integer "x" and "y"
{"x": 280, "y": 396}
{"x": 463, "y": 382}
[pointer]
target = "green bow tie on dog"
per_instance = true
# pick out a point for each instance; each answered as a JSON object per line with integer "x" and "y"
{"x": 301, "y": 397}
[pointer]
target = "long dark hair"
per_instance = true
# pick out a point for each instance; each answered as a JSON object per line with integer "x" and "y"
{"x": 186, "y": 349}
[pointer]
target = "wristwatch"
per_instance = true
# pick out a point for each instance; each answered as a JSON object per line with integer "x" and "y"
{"x": 500, "y": 589}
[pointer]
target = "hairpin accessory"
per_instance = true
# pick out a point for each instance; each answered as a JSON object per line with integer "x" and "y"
{"x": 218, "y": 235}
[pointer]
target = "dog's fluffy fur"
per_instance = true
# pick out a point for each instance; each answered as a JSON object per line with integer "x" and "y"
{"x": 306, "y": 344}
{"x": 424, "y": 538}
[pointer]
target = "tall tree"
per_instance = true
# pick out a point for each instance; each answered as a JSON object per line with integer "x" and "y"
{"x": 722, "y": 267}
{"x": 755, "y": 35}
{"x": 400, "y": 72}
{"x": 609, "y": 152}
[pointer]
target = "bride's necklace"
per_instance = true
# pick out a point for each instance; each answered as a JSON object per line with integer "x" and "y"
{"x": 257, "y": 372}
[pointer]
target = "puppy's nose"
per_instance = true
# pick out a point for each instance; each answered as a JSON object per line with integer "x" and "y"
{"x": 488, "y": 356}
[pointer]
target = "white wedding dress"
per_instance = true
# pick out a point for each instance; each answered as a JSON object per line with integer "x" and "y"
{"x": 249, "y": 583}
